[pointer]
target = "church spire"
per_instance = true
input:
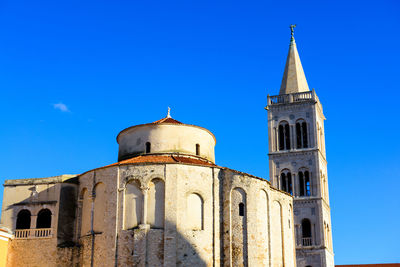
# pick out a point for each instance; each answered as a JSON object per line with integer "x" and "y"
{"x": 294, "y": 80}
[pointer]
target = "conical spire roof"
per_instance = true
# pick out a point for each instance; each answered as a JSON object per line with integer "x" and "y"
{"x": 294, "y": 80}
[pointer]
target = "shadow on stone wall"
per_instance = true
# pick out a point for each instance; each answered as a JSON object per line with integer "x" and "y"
{"x": 154, "y": 247}
{"x": 135, "y": 247}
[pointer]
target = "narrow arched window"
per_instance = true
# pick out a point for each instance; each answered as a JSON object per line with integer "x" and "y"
{"x": 290, "y": 187}
{"x": 298, "y": 135}
{"x": 281, "y": 137}
{"x": 287, "y": 137}
{"x": 283, "y": 182}
{"x": 306, "y": 232}
{"x": 241, "y": 209}
{"x": 304, "y": 183}
{"x": 43, "y": 219}
{"x": 307, "y": 183}
{"x": 23, "y": 220}
{"x": 286, "y": 182}
{"x": 301, "y": 183}
{"x": 197, "y": 150}
{"x": 284, "y": 136}
{"x": 148, "y": 147}
{"x": 304, "y": 133}
{"x": 301, "y": 134}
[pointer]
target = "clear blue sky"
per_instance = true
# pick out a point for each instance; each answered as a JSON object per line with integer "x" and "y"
{"x": 112, "y": 64}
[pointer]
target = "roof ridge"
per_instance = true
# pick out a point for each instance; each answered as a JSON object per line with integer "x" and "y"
{"x": 167, "y": 120}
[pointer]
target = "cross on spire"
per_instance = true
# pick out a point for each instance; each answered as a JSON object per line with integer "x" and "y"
{"x": 294, "y": 80}
{"x": 169, "y": 113}
{"x": 292, "y": 26}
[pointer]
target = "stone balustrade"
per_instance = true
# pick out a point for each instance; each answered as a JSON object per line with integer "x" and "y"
{"x": 307, "y": 241}
{"x": 33, "y": 233}
{"x": 292, "y": 98}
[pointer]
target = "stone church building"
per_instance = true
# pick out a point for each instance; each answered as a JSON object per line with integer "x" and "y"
{"x": 166, "y": 202}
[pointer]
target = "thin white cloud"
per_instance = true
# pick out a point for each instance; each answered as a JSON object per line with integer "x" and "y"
{"x": 61, "y": 106}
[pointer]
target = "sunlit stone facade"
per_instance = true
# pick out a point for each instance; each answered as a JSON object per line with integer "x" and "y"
{"x": 166, "y": 203}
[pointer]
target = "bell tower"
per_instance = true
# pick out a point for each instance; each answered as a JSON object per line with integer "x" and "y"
{"x": 297, "y": 161}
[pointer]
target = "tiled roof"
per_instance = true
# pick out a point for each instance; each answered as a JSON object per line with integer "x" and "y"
{"x": 167, "y": 120}
{"x": 163, "y": 159}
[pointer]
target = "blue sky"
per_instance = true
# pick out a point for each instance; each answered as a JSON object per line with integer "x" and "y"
{"x": 75, "y": 73}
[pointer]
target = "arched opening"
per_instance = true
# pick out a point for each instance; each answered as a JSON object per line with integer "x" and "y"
{"x": 148, "y": 147}
{"x": 284, "y": 136}
{"x": 307, "y": 183}
{"x": 306, "y": 232}
{"x": 281, "y": 137}
{"x": 304, "y": 183}
{"x": 301, "y": 183}
{"x": 283, "y": 182}
{"x": 298, "y": 135}
{"x": 286, "y": 182}
{"x": 195, "y": 212}
{"x": 43, "y": 219}
{"x": 301, "y": 134}
{"x": 197, "y": 150}
{"x": 304, "y": 134}
{"x": 23, "y": 220}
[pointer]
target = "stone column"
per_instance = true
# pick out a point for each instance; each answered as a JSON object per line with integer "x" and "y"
{"x": 33, "y": 221}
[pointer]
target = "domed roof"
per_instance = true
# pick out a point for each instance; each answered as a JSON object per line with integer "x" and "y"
{"x": 166, "y": 136}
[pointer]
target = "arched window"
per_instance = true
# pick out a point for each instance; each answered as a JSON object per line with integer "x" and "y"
{"x": 286, "y": 181}
{"x": 304, "y": 183}
{"x": 23, "y": 220}
{"x": 301, "y": 134}
{"x": 148, "y": 147}
{"x": 43, "y": 219}
{"x": 197, "y": 150}
{"x": 306, "y": 232}
{"x": 284, "y": 136}
{"x": 195, "y": 212}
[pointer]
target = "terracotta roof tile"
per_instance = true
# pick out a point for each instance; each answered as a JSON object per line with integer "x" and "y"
{"x": 163, "y": 159}
{"x": 167, "y": 120}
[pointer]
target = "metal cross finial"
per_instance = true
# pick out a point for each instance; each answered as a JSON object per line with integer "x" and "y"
{"x": 292, "y": 26}
{"x": 169, "y": 113}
